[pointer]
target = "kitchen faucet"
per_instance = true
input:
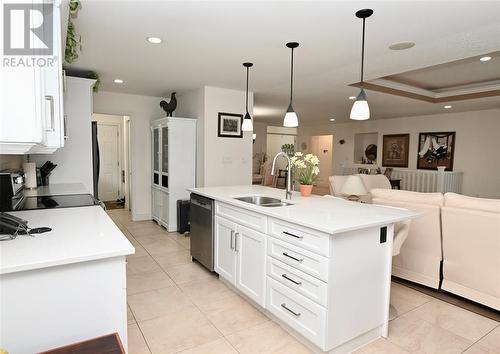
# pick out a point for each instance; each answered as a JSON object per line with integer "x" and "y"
{"x": 288, "y": 173}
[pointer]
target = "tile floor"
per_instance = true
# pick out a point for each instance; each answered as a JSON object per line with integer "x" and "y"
{"x": 175, "y": 306}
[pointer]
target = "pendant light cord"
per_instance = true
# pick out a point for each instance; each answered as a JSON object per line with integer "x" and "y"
{"x": 363, "y": 54}
{"x": 291, "y": 79}
{"x": 246, "y": 104}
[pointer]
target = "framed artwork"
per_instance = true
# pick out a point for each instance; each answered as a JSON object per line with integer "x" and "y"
{"x": 436, "y": 149}
{"x": 230, "y": 125}
{"x": 395, "y": 150}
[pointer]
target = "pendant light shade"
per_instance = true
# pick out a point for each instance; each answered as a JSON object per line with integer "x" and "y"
{"x": 360, "y": 109}
{"x": 291, "y": 120}
{"x": 247, "y": 125}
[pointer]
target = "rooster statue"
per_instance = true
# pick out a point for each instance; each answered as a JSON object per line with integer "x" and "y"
{"x": 169, "y": 107}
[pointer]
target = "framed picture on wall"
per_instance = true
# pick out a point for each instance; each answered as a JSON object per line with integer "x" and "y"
{"x": 230, "y": 125}
{"x": 395, "y": 150}
{"x": 436, "y": 149}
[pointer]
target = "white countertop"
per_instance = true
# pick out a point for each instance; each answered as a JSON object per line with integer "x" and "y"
{"x": 330, "y": 215}
{"x": 57, "y": 189}
{"x": 78, "y": 235}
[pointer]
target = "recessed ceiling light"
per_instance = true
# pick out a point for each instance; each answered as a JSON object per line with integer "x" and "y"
{"x": 486, "y": 58}
{"x": 118, "y": 81}
{"x": 402, "y": 45}
{"x": 447, "y": 107}
{"x": 332, "y": 119}
{"x": 352, "y": 97}
{"x": 154, "y": 40}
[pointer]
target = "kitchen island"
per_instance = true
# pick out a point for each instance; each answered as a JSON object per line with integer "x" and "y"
{"x": 319, "y": 266}
{"x": 66, "y": 285}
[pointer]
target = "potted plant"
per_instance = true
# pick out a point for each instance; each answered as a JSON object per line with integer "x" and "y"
{"x": 306, "y": 171}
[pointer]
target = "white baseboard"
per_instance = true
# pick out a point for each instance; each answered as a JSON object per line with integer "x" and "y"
{"x": 141, "y": 216}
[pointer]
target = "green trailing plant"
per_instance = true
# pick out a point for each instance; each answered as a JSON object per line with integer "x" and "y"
{"x": 73, "y": 40}
{"x": 95, "y": 76}
{"x": 288, "y": 149}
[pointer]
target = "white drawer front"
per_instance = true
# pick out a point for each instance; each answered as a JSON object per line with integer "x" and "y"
{"x": 303, "y": 315}
{"x": 306, "y": 261}
{"x": 302, "y": 283}
{"x": 243, "y": 217}
{"x": 304, "y": 237}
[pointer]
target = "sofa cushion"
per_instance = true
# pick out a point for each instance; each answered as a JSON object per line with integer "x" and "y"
{"x": 465, "y": 202}
{"x": 408, "y": 196}
{"x": 375, "y": 182}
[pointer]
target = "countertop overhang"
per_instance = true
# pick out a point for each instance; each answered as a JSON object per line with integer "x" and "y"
{"x": 78, "y": 235}
{"x": 324, "y": 213}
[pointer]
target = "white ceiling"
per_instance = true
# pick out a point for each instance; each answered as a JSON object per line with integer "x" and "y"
{"x": 206, "y": 42}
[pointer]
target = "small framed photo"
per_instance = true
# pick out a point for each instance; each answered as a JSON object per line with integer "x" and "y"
{"x": 395, "y": 150}
{"x": 230, "y": 125}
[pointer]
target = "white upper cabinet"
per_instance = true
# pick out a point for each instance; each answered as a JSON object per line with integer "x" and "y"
{"x": 31, "y": 110}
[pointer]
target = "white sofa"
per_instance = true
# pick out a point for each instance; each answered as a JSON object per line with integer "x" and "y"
{"x": 421, "y": 254}
{"x": 471, "y": 248}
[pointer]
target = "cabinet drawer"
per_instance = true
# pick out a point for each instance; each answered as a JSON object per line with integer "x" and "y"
{"x": 301, "y": 282}
{"x": 306, "y": 261}
{"x": 304, "y": 237}
{"x": 298, "y": 312}
{"x": 242, "y": 216}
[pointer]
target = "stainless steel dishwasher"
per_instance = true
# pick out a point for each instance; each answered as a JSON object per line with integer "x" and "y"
{"x": 202, "y": 230}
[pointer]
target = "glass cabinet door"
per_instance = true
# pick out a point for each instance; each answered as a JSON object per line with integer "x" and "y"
{"x": 156, "y": 156}
{"x": 164, "y": 157}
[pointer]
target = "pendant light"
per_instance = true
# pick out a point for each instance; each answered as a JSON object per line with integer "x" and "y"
{"x": 291, "y": 119}
{"x": 247, "y": 125}
{"x": 360, "y": 109}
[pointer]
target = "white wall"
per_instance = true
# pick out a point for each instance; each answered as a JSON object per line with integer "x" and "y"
{"x": 221, "y": 161}
{"x": 141, "y": 110}
{"x": 74, "y": 160}
{"x": 477, "y": 145}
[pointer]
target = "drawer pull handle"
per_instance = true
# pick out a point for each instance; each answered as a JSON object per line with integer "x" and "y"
{"x": 289, "y": 234}
{"x": 292, "y": 257}
{"x": 297, "y": 314}
{"x": 290, "y": 279}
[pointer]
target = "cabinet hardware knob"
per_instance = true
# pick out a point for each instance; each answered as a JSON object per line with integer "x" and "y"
{"x": 297, "y": 314}
{"x": 292, "y": 257}
{"x": 290, "y": 279}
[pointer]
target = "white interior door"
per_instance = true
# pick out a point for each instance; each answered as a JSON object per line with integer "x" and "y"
{"x": 109, "y": 157}
{"x": 322, "y": 146}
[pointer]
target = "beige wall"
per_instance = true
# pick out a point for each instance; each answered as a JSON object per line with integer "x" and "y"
{"x": 141, "y": 110}
{"x": 477, "y": 146}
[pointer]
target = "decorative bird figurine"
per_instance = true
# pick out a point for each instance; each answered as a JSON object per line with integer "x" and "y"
{"x": 169, "y": 107}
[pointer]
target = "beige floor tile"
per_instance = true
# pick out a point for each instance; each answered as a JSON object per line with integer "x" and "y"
{"x": 162, "y": 247}
{"x": 136, "y": 342}
{"x": 479, "y": 309}
{"x": 404, "y": 299}
{"x": 489, "y": 344}
{"x": 139, "y": 250}
{"x": 232, "y": 314}
{"x": 266, "y": 338}
{"x": 158, "y": 303}
{"x": 185, "y": 242}
{"x": 188, "y": 272}
{"x": 456, "y": 320}
{"x": 152, "y": 238}
{"x": 144, "y": 264}
{"x": 418, "y": 336}
{"x": 178, "y": 331}
{"x": 381, "y": 346}
{"x": 130, "y": 316}
{"x": 205, "y": 291}
{"x": 141, "y": 282}
{"x": 145, "y": 229}
{"x": 173, "y": 259}
{"x": 219, "y": 346}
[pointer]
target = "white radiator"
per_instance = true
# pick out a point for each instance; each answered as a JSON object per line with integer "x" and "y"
{"x": 423, "y": 180}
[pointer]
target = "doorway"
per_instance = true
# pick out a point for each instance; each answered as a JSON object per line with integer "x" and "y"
{"x": 112, "y": 176}
{"x": 322, "y": 146}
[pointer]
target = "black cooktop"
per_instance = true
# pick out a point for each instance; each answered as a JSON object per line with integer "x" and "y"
{"x": 50, "y": 202}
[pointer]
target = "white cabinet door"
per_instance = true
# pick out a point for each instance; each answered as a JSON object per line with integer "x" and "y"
{"x": 164, "y": 217}
{"x": 250, "y": 248}
{"x": 156, "y": 204}
{"x": 225, "y": 256}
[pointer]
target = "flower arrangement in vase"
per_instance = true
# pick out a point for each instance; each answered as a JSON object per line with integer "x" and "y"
{"x": 306, "y": 171}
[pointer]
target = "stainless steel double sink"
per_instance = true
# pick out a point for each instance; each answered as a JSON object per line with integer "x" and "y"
{"x": 263, "y": 201}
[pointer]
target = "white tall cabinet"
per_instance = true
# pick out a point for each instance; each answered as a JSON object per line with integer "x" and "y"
{"x": 31, "y": 109}
{"x": 173, "y": 148}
